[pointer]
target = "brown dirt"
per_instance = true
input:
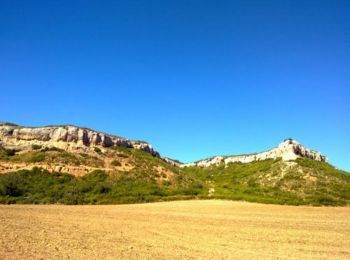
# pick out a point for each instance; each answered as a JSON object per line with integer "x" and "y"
{"x": 81, "y": 170}
{"x": 174, "y": 230}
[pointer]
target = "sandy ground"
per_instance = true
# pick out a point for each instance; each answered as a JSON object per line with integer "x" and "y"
{"x": 174, "y": 230}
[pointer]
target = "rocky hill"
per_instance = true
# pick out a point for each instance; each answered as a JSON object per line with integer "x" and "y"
{"x": 76, "y": 165}
{"x": 288, "y": 150}
{"x": 83, "y": 140}
{"x": 70, "y": 149}
{"x": 66, "y": 137}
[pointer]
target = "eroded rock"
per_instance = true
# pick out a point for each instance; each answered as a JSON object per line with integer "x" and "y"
{"x": 288, "y": 150}
{"x": 70, "y": 138}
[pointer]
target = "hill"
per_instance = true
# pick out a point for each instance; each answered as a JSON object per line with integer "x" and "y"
{"x": 303, "y": 181}
{"x": 74, "y": 165}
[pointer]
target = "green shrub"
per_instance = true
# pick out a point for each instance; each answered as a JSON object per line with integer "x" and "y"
{"x": 97, "y": 150}
{"x": 11, "y": 185}
{"x": 166, "y": 182}
{"x": 96, "y": 176}
{"x": 53, "y": 148}
{"x": 116, "y": 163}
{"x": 102, "y": 187}
{"x": 122, "y": 155}
{"x": 256, "y": 182}
{"x": 38, "y": 157}
{"x": 10, "y": 152}
{"x": 36, "y": 147}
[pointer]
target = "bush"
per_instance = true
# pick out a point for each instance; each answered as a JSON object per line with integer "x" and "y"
{"x": 36, "y": 147}
{"x": 11, "y": 185}
{"x": 122, "y": 155}
{"x": 38, "y": 157}
{"x": 116, "y": 163}
{"x": 97, "y": 150}
{"x": 84, "y": 155}
{"x": 193, "y": 189}
{"x": 95, "y": 176}
{"x": 102, "y": 187}
{"x": 54, "y": 149}
{"x": 10, "y": 152}
{"x": 166, "y": 182}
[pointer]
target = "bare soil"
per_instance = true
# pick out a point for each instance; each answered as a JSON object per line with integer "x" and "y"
{"x": 174, "y": 230}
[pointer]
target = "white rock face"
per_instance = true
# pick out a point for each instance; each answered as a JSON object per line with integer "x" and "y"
{"x": 70, "y": 138}
{"x": 172, "y": 162}
{"x": 73, "y": 138}
{"x": 288, "y": 150}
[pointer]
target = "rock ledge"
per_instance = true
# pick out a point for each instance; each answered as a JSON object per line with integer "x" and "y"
{"x": 67, "y": 137}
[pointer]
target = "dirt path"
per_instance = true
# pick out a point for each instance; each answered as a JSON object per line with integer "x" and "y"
{"x": 174, "y": 230}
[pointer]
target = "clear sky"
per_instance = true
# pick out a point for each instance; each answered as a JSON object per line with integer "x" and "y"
{"x": 194, "y": 78}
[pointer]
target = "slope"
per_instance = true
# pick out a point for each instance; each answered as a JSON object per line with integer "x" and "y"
{"x": 303, "y": 181}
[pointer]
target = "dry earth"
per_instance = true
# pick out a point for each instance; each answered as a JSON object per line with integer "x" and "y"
{"x": 174, "y": 230}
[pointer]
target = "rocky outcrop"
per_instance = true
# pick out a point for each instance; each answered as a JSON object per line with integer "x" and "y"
{"x": 172, "y": 162}
{"x": 79, "y": 139}
{"x": 288, "y": 150}
{"x": 68, "y": 137}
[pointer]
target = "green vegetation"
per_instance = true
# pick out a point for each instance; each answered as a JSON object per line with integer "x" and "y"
{"x": 116, "y": 163}
{"x": 49, "y": 155}
{"x": 97, "y": 150}
{"x": 121, "y": 155}
{"x": 148, "y": 178}
{"x": 304, "y": 182}
{"x": 8, "y": 124}
{"x": 6, "y": 153}
{"x": 36, "y": 157}
{"x": 97, "y": 187}
{"x": 36, "y": 147}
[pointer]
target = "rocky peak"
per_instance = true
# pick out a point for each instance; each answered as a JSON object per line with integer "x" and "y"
{"x": 288, "y": 150}
{"x": 67, "y": 137}
{"x": 291, "y": 149}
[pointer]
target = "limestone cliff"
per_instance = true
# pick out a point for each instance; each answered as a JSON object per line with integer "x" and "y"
{"x": 67, "y": 137}
{"x": 288, "y": 150}
{"x": 78, "y": 139}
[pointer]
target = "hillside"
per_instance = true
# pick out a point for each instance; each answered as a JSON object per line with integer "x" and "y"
{"x": 117, "y": 175}
{"x": 74, "y": 165}
{"x": 303, "y": 181}
{"x": 74, "y": 150}
{"x": 147, "y": 179}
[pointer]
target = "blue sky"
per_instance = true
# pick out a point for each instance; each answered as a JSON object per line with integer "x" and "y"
{"x": 194, "y": 78}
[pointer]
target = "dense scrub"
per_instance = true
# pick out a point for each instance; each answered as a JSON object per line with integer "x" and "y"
{"x": 303, "y": 182}
{"x": 272, "y": 181}
{"x": 49, "y": 156}
{"x": 40, "y": 186}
